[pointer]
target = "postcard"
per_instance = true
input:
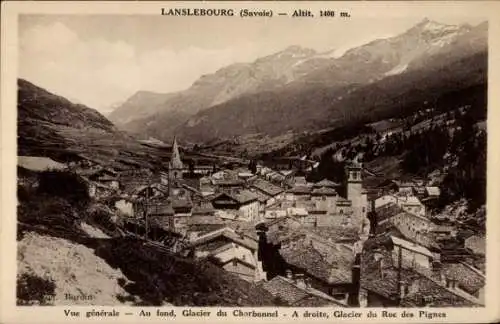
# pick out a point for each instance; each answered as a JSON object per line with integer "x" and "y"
{"x": 249, "y": 161}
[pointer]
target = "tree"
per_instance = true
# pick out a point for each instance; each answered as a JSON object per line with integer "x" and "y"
{"x": 66, "y": 185}
{"x": 191, "y": 168}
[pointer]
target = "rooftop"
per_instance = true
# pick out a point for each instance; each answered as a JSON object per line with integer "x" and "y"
{"x": 326, "y": 183}
{"x": 471, "y": 280}
{"x": 387, "y": 286}
{"x": 228, "y": 233}
{"x": 300, "y": 190}
{"x": 266, "y": 187}
{"x": 330, "y": 267}
{"x": 324, "y": 191}
{"x": 295, "y": 295}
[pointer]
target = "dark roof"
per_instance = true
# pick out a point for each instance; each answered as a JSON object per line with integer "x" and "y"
{"x": 244, "y": 196}
{"x": 324, "y": 191}
{"x": 294, "y": 295}
{"x": 267, "y": 187}
{"x": 332, "y": 266}
{"x": 468, "y": 278}
{"x": 282, "y": 228}
{"x": 240, "y": 197}
{"x": 387, "y": 286}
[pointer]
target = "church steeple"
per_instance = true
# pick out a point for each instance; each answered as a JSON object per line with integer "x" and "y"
{"x": 175, "y": 160}
{"x": 174, "y": 168}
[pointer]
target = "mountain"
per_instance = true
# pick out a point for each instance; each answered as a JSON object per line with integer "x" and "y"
{"x": 298, "y": 90}
{"x": 370, "y": 82}
{"x": 155, "y": 114}
{"x": 50, "y": 125}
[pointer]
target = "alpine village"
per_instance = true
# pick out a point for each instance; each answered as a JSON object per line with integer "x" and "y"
{"x": 381, "y": 203}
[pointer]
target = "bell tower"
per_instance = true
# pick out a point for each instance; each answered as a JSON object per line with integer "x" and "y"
{"x": 355, "y": 192}
{"x": 175, "y": 167}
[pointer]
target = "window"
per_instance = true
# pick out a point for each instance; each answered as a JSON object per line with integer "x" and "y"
{"x": 235, "y": 262}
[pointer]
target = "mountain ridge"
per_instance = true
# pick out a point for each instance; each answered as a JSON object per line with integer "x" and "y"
{"x": 270, "y": 77}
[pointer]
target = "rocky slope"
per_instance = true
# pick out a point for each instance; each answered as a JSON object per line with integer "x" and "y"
{"x": 50, "y": 125}
{"x": 298, "y": 89}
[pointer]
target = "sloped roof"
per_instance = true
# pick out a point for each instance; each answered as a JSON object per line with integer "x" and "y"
{"x": 267, "y": 187}
{"x": 241, "y": 197}
{"x": 180, "y": 203}
{"x": 387, "y": 286}
{"x": 324, "y": 191}
{"x": 411, "y": 246}
{"x": 261, "y": 197}
{"x": 330, "y": 268}
{"x": 244, "y": 196}
{"x": 423, "y": 239}
{"x": 230, "y": 234}
{"x": 326, "y": 183}
{"x": 295, "y": 295}
{"x": 476, "y": 243}
{"x": 470, "y": 280}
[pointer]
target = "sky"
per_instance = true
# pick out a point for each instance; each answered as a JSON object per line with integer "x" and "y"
{"x": 101, "y": 60}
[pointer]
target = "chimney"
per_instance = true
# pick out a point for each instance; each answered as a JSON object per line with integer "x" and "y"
{"x": 308, "y": 283}
{"x": 403, "y": 288}
{"x": 300, "y": 280}
{"x": 289, "y": 274}
{"x": 381, "y": 267}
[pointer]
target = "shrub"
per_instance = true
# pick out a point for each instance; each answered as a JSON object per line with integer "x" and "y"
{"x": 64, "y": 184}
{"x": 34, "y": 290}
